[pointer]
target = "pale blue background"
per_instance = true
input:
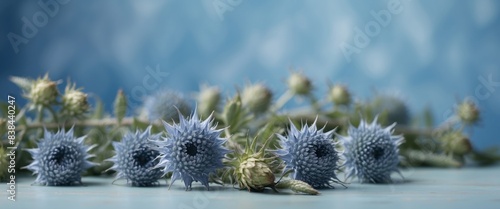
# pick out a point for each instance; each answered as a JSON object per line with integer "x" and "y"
{"x": 432, "y": 53}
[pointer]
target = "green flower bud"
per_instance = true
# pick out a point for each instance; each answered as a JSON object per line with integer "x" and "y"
{"x": 255, "y": 174}
{"x": 74, "y": 102}
{"x": 456, "y": 142}
{"x": 43, "y": 92}
{"x": 257, "y": 98}
{"x": 231, "y": 112}
{"x": 340, "y": 95}
{"x": 299, "y": 84}
{"x": 208, "y": 99}
{"x": 468, "y": 112}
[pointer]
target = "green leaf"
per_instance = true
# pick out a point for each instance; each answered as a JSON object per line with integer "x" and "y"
{"x": 428, "y": 117}
{"x": 23, "y": 83}
{"x": 120, "y": 107}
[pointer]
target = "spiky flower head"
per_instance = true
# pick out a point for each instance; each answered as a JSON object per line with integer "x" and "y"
{"x": 74, "y": 102}
{"x": 257, "y": 97}
{"x": 43, "y": 91}
{"x": 299, "y": 84}
{"x": 371, "y": 152}
{"x": 392, "y": 107}
{"x": 310, "y": 154}
{"x": 162, "y": 105}
{"x": 340, "y": 95}
{"x": 135, "y": 158}
{"x": 208, "y": 99}
{"x": 192, "y": 150}
{"x": 468, "y": 112}
{"x": 60, "y": 159}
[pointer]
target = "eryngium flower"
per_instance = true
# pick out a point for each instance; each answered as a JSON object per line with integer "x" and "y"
{"x": 60, "y": 159}
{"x": 311, "y": 154}
{"x": 371, "y": 152}
{"x": 192, "y": 150}
{"x": 135, "y": 158}
{"x": 162, "y": 105}
{"x": 393, "y": 106}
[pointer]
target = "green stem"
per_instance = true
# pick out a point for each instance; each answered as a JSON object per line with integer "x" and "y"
{"x": 53, "y": 113}
{"x": 282, "y": 100}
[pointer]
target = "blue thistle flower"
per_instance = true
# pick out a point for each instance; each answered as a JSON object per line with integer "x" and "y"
{"x": 371, "y": 152}
{"x": 135, "y": 158}
{"x": 394, "y": 106}
{"x": 163, "y": 104}
{"x": 192, "y": 151}
{"x": 310, "y": 154}
{"x": 60, "y": 159}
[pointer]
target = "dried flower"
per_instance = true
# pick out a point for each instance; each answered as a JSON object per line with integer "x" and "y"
{"x": 255, "y": 174}
{"x": 340, "y": 95}
{"x": 257, "y": 98}
{"x": 74, "y": 102}
{"x": 468, "y": 112}
{"x": 252, "y": 169}
{"x": 192, "y": 150}
{"x": 299, "y": 84}
{"x": 60, "y": 159}
{"x": 162, "y": 106}
{"x": 135, "y": 158}
{"x": 371, "y": 153}
{"x": 310, "y": 154}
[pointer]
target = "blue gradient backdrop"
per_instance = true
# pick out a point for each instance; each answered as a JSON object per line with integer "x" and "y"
{"x": 432, "y": 52}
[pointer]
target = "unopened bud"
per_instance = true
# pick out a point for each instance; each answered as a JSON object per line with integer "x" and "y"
{"x": 299, "y": 84}
{"x": 231, "y": 112}
{"x": 256, "y": 174}
{"x": 468, "y": 112}
{"x": 74, "y": 102}
{"x": 208, "y": 99}
{"x": 257, "y": 98}
{"x": 456, "y": 142}
{"x": 43, "y": 92}
{"x": 340, "y": 95}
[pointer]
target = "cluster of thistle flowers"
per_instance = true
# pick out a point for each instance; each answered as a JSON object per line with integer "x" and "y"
{"x": 195, "y": 149}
